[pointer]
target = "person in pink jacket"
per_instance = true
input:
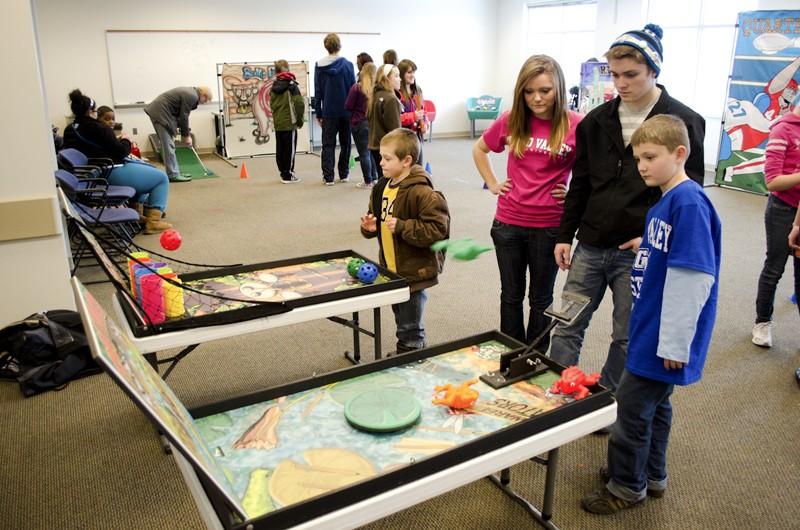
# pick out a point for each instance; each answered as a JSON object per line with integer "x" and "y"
{"x": 782, "y": 173}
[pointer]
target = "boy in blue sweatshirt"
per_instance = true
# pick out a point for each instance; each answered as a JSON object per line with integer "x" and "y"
{"x": 674, "y": 282}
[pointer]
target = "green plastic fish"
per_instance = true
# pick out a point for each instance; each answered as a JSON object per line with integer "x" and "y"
{"x": 461, "y": 249}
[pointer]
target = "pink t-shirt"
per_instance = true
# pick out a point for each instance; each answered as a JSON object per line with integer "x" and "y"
{"x": 783, "y": 155}
{"x": 534, "y": 175}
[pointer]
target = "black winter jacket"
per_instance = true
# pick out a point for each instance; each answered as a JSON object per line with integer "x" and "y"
{"x": 607, "y": 200}
{"x": 96, "y": 140}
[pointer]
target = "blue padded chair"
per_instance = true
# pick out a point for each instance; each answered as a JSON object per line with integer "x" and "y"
{"x": 115, "y": 195}
{"x": 92, "y": 207}
{"x": 77, "y": 163}
{"x": 482, "y": 108}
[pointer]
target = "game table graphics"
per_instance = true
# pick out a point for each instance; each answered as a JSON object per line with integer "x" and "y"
{"x": 287, "y": 456}
{"x": 308, "y": 287}
{"x": 278, "y": 284}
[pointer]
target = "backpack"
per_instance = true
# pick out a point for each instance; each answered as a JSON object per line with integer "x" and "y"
{"x": 45, "y": 351}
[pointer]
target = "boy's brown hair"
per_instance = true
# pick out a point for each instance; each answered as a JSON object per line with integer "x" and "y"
{"x": 332, "y": 43}
{"x": 281, "y": 65}
{"x": 622, "y": 52}
{"x": 663, "y": 129}
{"x": 403, "y": 142}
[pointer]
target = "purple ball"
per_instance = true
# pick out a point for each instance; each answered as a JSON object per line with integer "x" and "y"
{"x": 367, "y": 273}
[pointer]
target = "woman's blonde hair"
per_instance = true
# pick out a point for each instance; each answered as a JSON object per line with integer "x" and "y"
{"x": 519, "y": 120}
{"x": 366, "y": 81}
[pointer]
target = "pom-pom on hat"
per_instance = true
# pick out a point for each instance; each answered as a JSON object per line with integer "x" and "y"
{"x": 647, "y": 41}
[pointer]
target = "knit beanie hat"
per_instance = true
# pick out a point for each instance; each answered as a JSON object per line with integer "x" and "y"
{"x": 647, "y": 41}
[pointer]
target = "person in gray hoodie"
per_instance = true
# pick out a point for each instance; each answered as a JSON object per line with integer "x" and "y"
{"x": 333, "y": 77}
{"x": 169, "y": 113}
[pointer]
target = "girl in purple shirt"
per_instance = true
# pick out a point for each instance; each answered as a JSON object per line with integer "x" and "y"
{"x": 539, "y": 133}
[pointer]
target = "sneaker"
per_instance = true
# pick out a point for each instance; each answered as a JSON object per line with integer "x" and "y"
{"x": 365, "y": 185}
{"x": 797, "y": 376}
{"x": 603, "y": 502}
{"x": 762, "y": 334}
{"x": 181, "y": 178}
{"x": 290, "y": 180}
{"x": 327, "y": 182}
{"x": 605, "y": 476}
{"x": 346, "y": 179}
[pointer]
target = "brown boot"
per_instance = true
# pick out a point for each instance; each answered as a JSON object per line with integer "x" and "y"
{"x": 139, "y": 207}
{"x": 154, "y": 224}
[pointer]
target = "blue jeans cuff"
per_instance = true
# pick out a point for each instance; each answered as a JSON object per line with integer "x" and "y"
{"x": 625, "y": 493}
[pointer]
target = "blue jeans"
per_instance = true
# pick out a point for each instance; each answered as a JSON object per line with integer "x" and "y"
{"x": 520, "y": 249}
{"x": 151, "y": 184}
{"x": 331, "y": 128}
{"x": 376, "y": 160}
{"x": 778, "y": 218}
{"x": 361, "y": 139}
{"x": 637, "y": 448}
{"x": 593, "y": 269}
{"x": 408, "y": 318}
{"x": 167, "y": 150}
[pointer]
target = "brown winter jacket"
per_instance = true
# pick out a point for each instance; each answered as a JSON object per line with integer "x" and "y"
{"x": 422, "y": 219}
{"x": 384, "y": 117}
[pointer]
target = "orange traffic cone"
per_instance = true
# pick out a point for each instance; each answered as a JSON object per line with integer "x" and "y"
{"x": 243, "y": 172}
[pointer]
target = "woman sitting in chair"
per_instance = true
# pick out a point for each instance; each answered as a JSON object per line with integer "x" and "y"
{"x": 96, "y": 140}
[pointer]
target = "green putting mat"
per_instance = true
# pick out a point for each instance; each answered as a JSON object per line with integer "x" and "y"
{"x": 190, "y": 164}
{"x": 188, "y": 161}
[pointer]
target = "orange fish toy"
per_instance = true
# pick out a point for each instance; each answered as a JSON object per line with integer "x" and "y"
{"x": 460, "y": 397}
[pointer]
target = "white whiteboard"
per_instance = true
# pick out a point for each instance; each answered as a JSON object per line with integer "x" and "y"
{"x": 144, "y": 64}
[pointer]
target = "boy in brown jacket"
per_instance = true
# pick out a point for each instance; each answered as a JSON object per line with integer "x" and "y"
{"x": 407, "y": 215}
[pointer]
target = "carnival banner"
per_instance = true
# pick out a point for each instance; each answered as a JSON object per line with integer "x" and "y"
{"x": 763, "y": 82}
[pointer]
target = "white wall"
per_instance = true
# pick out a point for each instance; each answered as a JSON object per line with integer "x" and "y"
{"x": 778, "y": 4}
{"x": 613, "y": 18}
{"x": 34, "y": 274}
{"x": 450, "y": 41}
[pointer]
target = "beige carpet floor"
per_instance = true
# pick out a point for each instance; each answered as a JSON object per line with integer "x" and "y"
{"x": 85, "y": 457}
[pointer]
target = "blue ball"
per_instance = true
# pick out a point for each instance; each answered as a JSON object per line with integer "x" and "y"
{"x": 367, "y": 273}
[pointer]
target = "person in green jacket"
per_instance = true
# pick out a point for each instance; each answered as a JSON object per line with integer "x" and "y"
{"x": 288, "y": 115}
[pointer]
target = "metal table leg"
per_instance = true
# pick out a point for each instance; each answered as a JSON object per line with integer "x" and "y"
{"x": 544, "y": 516}
{"x": 376, "y": 328}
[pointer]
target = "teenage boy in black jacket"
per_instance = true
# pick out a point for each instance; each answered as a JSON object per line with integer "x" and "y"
{"x": 607, "y": 200}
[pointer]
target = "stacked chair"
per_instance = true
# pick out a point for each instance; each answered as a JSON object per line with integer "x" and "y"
{"x": 86, "y": 195}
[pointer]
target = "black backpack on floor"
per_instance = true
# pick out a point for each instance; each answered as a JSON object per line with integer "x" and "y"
{"x": 45, "y": 351}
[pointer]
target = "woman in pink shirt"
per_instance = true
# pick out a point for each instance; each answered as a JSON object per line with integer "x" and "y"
{"x": 782, "y": 173}
{"x": 539, "y": 133}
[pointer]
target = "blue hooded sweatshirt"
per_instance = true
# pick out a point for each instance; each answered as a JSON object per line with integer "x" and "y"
{"x": 333, "y": 77}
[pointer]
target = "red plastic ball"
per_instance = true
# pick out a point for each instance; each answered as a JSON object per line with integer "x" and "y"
{"x": 171, "y": 240}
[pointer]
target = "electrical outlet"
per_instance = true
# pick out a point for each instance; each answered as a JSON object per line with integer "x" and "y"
{"x": 135, "y": 131}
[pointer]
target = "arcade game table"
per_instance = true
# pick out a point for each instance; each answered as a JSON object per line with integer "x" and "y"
{"x": 289, "y": 457}
{"x": 227, "y": 302}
